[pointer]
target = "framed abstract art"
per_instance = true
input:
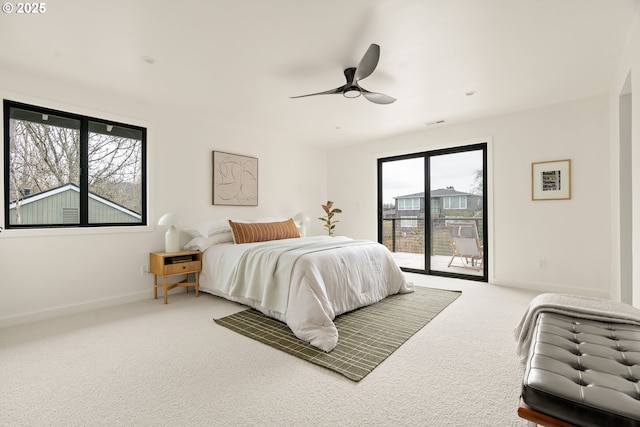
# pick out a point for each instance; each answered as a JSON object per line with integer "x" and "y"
{"x": 235, "y": 179}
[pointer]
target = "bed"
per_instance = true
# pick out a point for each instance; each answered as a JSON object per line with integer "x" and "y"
{"x": 304, "y": 282}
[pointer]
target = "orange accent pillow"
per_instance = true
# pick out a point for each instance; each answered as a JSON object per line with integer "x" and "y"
{"x": 244, "y": 232}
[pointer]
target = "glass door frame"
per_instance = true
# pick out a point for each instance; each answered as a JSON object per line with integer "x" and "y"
{"x": 427, "y": 155}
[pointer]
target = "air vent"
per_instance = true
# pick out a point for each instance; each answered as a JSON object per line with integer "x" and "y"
{"x": 70, "y": 216}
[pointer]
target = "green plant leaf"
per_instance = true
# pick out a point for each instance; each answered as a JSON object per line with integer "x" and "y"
{"x": 329, "y": 223}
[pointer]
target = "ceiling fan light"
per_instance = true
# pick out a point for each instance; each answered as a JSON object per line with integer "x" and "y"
{"x": 351, "y": 92}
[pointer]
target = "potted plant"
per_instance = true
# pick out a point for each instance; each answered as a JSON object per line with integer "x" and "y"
{"x": 329, "y": 222}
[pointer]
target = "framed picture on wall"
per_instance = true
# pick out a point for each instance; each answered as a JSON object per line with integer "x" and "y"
{"x": 551, "y": 180}
{"x": 235, "y": 179}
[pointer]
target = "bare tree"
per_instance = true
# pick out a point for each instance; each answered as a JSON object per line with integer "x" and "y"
{"x": 44, "y": 156}
{"x": 115, "y": 165}
{"x": 478, "y": 183}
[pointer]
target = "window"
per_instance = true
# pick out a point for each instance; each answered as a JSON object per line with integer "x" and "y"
{"x": 455, "y": 202}
{"x": 409, "y": 204}
{"x": 408, "y": 223}
{"x": 68, "y": 170}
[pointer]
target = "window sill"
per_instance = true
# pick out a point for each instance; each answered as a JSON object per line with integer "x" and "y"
{"x": 80, "y": 231}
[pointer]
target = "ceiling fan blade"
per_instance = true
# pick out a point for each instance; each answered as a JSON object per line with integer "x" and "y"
{"x": 326, "y": 92}
{"x": 377, "y": 98}
{"x": 352, "y": 89}
{"x": 368, "y": 63}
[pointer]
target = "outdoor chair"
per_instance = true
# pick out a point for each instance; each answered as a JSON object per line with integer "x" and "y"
{"x": 466, "y": 245}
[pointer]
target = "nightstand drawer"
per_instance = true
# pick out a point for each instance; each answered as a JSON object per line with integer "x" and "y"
{"x": 182, "y": 267}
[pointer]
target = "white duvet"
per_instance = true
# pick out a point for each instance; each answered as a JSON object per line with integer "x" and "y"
{"x": 324, "y": 282}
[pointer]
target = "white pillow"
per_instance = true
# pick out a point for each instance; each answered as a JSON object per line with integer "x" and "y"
{"x": 260, "y": 220}
{"x": 204, "y": 243}
{"x": 208, "y": 228}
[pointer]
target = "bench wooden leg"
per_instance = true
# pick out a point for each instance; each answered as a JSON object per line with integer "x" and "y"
{"x": 538, "y": 418}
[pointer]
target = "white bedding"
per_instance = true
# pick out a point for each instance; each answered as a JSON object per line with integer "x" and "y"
{"x": 323, "y": 282}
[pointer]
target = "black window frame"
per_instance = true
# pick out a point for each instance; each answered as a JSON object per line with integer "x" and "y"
{"x": 84, "y": 167}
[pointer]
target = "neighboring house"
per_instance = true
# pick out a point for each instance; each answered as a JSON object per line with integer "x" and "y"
{"x": 447, "y": 199}
{"x": 61, "y": 205}
{"x": 442, "y": 200}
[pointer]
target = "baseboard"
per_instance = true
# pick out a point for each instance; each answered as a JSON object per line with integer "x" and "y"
{"x": 71, "y": 309}
{"x": 551, "y": 287}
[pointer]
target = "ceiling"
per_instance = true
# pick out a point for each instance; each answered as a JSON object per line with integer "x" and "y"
{"x": 240, "y": 60}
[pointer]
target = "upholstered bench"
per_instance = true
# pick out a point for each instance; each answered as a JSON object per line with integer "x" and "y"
{"x": 582, "y": 372}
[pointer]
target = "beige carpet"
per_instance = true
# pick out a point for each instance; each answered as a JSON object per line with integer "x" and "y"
{"x": 150, "y": 364}
{"x": 367, "y": 336}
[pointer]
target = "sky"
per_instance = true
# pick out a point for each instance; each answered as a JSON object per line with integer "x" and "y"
{"x": 404, "y": 177}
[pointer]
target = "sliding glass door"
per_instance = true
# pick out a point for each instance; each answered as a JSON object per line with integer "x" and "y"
{"x": 432, "y": 209}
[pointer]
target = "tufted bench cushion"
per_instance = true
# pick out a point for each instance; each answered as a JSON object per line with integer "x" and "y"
{"x": 584, "y": 372}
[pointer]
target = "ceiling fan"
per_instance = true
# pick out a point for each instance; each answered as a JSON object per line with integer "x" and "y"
{"x": 353, "y": 75}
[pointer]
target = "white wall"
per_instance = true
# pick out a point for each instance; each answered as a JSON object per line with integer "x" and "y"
{"x": 49, "y": 272}
{"x": 574, "y": 236}
{"x": 626, "y": 185}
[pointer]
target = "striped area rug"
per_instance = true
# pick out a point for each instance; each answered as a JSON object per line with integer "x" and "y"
{"x": 367, "y": 336}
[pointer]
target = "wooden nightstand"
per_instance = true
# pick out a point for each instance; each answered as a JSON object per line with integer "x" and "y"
{"x": 173, "y": 264}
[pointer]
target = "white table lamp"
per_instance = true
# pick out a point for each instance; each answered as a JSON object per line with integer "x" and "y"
{"x": 301, "y": 219}
{"x": 172, "y": 236}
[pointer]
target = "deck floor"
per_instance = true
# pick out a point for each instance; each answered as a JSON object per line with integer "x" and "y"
{"x": 438, "y": 263}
